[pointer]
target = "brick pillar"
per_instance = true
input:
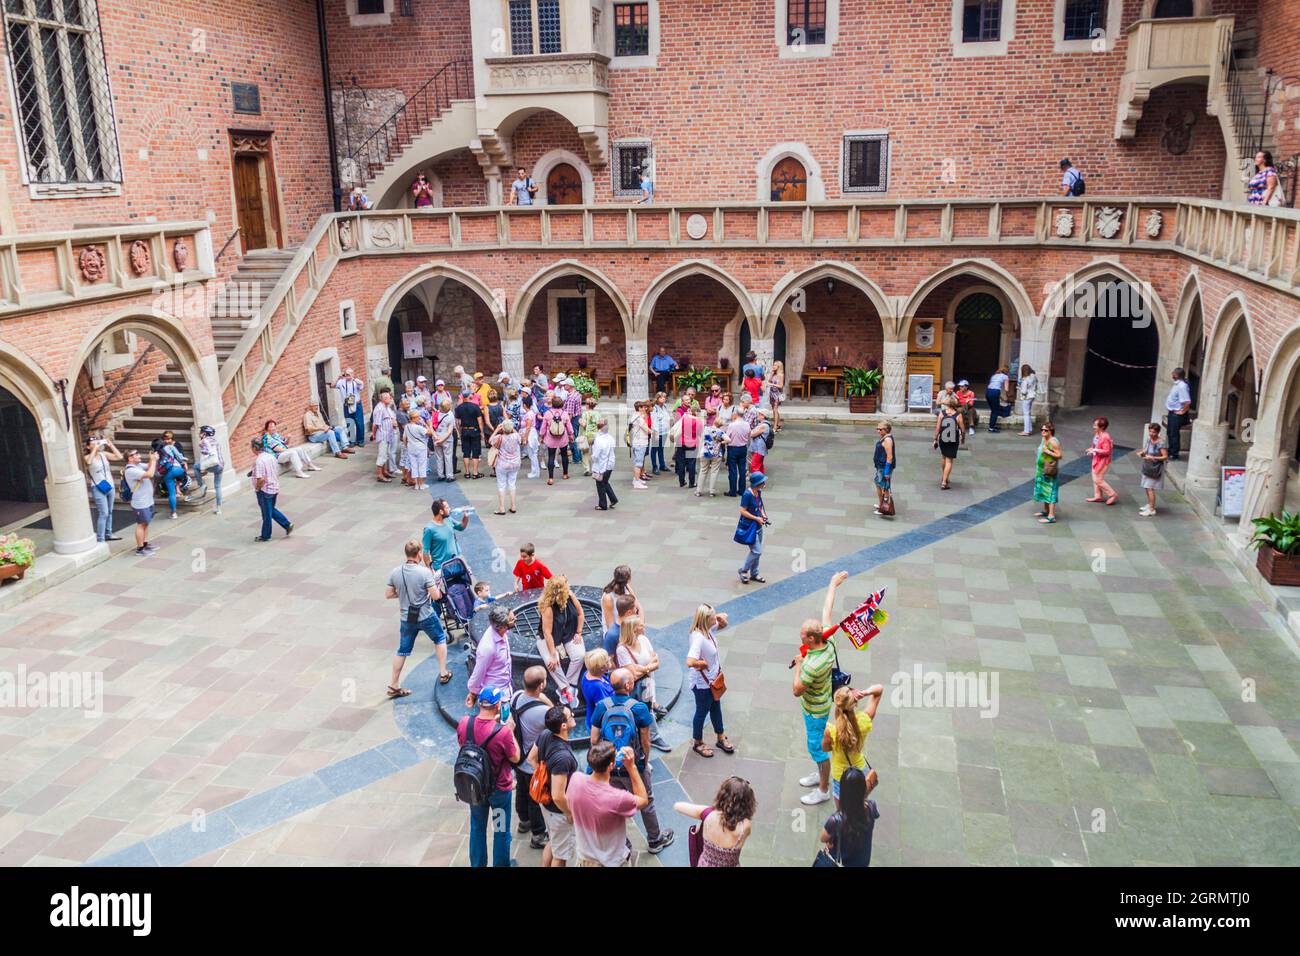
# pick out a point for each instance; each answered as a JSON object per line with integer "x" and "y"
{"x": 894, "y": 387}
{"x": 638, "y": 370}
{"x": 1205, "y": 457}
{"x": 512, "y": 358}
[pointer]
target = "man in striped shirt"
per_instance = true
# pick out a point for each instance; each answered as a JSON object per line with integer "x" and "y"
{"x": 573, "y": 408}
{"x": 812, "y": 685}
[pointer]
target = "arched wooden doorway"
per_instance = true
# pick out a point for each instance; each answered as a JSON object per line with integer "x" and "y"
{"x": 563, "y": 186}
{"x": 789, "y": 181}
{"x": 979, "y": 337}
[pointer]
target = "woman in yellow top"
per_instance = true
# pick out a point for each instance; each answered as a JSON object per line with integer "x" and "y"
{"x": 846, "y": 733}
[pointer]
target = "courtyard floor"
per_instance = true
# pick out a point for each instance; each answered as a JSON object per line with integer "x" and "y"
{"x": 1147, "y": 705}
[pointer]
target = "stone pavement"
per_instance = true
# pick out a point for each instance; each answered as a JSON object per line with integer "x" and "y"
{"x": 1146, "y": 699}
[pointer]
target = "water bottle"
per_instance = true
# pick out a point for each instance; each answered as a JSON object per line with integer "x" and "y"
{"x": 505, "y": 710}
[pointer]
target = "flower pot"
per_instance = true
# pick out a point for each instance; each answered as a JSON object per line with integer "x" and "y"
{"x": 1277, "y": 568}
{"x": 862, "y": 404}
{"x": 15, "y": 571}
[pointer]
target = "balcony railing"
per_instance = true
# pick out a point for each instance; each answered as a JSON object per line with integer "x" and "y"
{"x": 548, "y": 73}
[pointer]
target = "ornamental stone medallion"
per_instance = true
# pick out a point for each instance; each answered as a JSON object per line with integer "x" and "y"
{"x": 141, "y": 260}
{"x": 1064, "y": 223}
{"x": 1154, "y": 221}
{"x": 697, "y": 226}
{"x": 181, "y": 254}
{"x": 383, "y": 234}
{"x": 92, "y": 263}
{"x": 1108, "y": 218}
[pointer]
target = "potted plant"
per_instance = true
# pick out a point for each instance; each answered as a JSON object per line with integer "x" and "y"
{"x": 1277, "y": 538}
{"x": 16, "y": 556}
{"x": 585, "y": 385}
{"x": 861, "y": 385}
{"x": 696, "y": 378}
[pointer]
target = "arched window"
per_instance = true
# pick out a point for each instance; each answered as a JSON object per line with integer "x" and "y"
{"x": 789, "y": 181}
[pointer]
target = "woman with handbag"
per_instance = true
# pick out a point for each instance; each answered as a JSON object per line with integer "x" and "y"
{"x": 885, "y": 462}
{"x": 724, "y": 826}
{"x": 504, "y": 457}
{"x": 561, "y": 648}
{"x": 1047, "y": 477}
{"x": 99, "y": 452}
{"x": 707, "y": 682}
{"x": 1154, "y": 455}
{"x": 749, "y": 529}
{"x": 846, "y": 834}
{"x": 635, "y": 652}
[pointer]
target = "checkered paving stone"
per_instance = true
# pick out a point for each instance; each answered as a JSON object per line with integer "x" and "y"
{"x": 1147, "y": 707}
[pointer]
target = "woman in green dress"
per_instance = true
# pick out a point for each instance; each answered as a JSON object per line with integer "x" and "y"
{"x": 1047, "y": 478}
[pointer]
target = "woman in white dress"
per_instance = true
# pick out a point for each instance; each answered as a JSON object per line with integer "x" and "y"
{"x": 634, "y": 648}
{"x": 415, "y": 439}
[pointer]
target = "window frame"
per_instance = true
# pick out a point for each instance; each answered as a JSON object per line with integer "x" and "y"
{"x": 633, "y": 5}
{"x": 1114, "y": 13}
{"x": 358, "y": 19}
{"x": 860, "y": 136}
{"x": 617, "y": 156}
{"x": 553, "y": 297}
{"x": 103, "y": 116}
{"x": 963, "y": 48}
{"x": 348, "y": 308}
{"x": 782, "y": 35}
{"x": 535, "y": 34}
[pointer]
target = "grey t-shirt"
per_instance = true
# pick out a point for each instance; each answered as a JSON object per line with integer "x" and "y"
{"x": 531, "y": 724}
{"x": 412, "y": 582}
{"x": 522, "y": 196}
{"x": 141, "y": 487}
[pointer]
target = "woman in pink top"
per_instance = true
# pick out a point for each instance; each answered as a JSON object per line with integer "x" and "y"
{"x": 1101, "y": 451}
{"x": 688, "y": 443}
{"x": 557, "y": 432}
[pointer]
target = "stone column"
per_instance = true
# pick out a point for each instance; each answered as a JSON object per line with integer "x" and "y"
{"x": 638, "y": 371}
{"x": 1036, "y": 352}
{"x": 894, "y": 386}
{"x": 1205, "y": 457}
{"x": 65, "y": 490}
{"x": 1265, "y": 487}
{"x": 512, "y": 358}
{"x": 949, "y": 350}
{"x": 765, "y": 349}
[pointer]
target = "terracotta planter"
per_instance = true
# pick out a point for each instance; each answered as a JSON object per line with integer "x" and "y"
{"x": 1277, "y": 568}
{"x": 12, "y": 571}
{"x": 862, "y": 404}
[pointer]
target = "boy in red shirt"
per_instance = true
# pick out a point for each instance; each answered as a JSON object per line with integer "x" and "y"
{"x": 529, "y": 572}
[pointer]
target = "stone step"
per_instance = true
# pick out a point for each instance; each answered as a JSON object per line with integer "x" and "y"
{"x": 164, "y": 405}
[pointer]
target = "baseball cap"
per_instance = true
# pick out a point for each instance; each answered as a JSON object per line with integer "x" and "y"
{"x": 440, "y": 383}
{"x": 420, "y": 378}
{"x": 503, "y": 377}
{"x": 963, "y": 383}
{"x": 491, "y": 696}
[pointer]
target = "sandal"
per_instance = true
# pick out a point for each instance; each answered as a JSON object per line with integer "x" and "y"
{"x": 1047, "y": 521}
{"x": 512, "y": 510}
{"x": 725, "y": 746}
{"x": 395, "y": 692}
{"x": 1112, "y": 499}
{"x": 550, "y": 481}
{"x": 498, "y": 512}
{"x": 702, "y": 750}
{"x": 444, "y": 678}
{"x": 1092, "y": 500}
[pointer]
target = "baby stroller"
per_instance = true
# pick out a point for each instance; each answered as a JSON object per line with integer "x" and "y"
{"x": 457, "y": 604}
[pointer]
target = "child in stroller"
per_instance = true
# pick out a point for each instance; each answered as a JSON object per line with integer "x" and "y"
{"x": 457, "y": 603}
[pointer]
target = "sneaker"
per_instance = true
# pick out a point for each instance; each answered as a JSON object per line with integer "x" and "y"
{"x": 216, "y": 511}
{"x": 811, "y": 780}
{"x": 173, "y": 516}
{"x": 150, "y": 549}
{"x": 814, "y": 798}
{"x": 523, "y": 827}
{"x": 143, "y": 552}
{"x": 113, "y": 537}
{"x": 1145, "y": 512}
{"x": 658, "y": 743}
{"x": 640, "y": 485}
{"x": 970, "y": 431}
{"x": 538, "y": 842}
{"x": 665, "y": 840}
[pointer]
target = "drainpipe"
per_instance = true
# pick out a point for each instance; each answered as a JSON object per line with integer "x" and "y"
{"x": 329, "y": 104}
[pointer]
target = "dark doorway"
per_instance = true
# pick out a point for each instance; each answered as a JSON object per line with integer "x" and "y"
{"x": 1123, "y": 347}
{"x": 250, "y": 200}
{"x": 778, "y": 341}
{"x": 978, "y": 346}
{"x": 22, "y": 461}
{"x": 1166, "y": 9}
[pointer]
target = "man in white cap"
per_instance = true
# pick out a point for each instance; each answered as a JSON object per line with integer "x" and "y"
{"x": 351, "y": 390}
{"x": 422, "y": 389}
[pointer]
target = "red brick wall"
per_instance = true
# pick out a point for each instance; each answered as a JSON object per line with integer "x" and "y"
{"x": 845, "y": 320}
{"x": 88, "y": 403}
{"x": 689, "y": 318}
{"x": 403, "y": 54}
{"x": 462, "y": 180}
{"x": 608, "y": 355}
{"x": 1279, "y": 48}
{"x": 172, "y": 99}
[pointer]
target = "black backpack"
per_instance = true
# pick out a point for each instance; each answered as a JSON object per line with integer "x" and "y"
{"x": 949, "y": 432}
{"x": 1078, "y": 187}
{"x": 472, "y": 774}
{"x": 519, "y": 710}
{"x": 769, "y": 437}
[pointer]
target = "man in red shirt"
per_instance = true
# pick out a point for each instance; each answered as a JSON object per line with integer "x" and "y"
{"x": 529, "y": 572}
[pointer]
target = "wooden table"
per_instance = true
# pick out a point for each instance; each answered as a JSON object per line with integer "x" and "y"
{"x": 831, "y": 375}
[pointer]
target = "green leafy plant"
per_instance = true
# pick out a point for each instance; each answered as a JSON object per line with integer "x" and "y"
{"x": 585, "y": 385}
{"x": 859, "y": 382}
{"x": 1279, "y": 532}
{"x": 16, "y": 550}
{"x": 696, "y": 378}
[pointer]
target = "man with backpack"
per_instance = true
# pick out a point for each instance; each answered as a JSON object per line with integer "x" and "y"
{"x": 1072, "y": 183}
{"x": 528, "y": 709}
{"x": 627, "y": 722}
{"x": 137, "y": 488}
{"x": 553, "y": 763}
{"x": 483, "y": 776}
{"x": 416, "y": 589}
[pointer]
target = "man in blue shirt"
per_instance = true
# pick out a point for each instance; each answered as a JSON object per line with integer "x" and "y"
{"x": 609, "y": 716}
{"x": 1177, "y": 405}
{"x": 663, "y": 365}
{"x": 523, "y": 189}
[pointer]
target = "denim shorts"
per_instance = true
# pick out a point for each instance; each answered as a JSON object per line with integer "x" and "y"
{"x": 814, "y": 728}
{"x": 638, "y": 455}
{"x": 431, "y": 625}
{"x": 143, "y": 515}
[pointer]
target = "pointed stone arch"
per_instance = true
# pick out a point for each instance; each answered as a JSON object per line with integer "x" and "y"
{"x": 791, "y": 282}
{"x": 1098, "y": 268}
{"x": 682, "y": 270}
{"x": 1233, "y": 313}
{"x": 565, "y": 267}
{"x": 494, "y": 299}
{"x": 984, "y": 270}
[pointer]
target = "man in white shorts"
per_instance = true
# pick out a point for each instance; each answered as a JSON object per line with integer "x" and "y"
{"x": 554, "y": 750}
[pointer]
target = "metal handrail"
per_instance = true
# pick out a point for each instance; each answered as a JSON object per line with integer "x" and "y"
{"x": 1249, "y": 140}
{"x": 453, "y": 81}
{"x": 89, "y": 422}
{"x": 226, "y": 245}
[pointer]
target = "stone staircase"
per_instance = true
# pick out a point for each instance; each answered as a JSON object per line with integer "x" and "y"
{"x": 166, "y": 406}
{"x": 236, "y": 303}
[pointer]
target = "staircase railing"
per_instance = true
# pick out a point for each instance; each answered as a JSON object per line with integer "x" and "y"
{"x": 453, "y": 81}
{"x": 88, "y": 421}
{"x": 1249, "y": 139}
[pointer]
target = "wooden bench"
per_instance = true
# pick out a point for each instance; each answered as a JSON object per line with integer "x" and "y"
{"x": 796, "y": 388}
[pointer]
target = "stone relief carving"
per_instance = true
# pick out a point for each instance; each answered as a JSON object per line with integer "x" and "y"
{"x": 141, "y": 260}
{"x": 697, "y": 227}
{"x": 345, "y": 235}
{"x": 180, "y": 254}
{"x": 384, "y": 234}
{"x": 1108, "y": 219}
{"x": 1064, "y": 223}
{"x": 1153, "y": 223}
{"x": 92, "y": 263}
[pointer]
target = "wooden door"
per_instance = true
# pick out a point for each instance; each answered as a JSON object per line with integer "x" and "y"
{"x": 789, "y": 181}
{"x": 250, "y": 200}
{"x": 563, "y": 186}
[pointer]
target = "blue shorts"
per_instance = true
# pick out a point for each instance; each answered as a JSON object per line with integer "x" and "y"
{"x": 143, "y": 515}
{"x": 815, "y": 727}
{"x": 431, "y": 625}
